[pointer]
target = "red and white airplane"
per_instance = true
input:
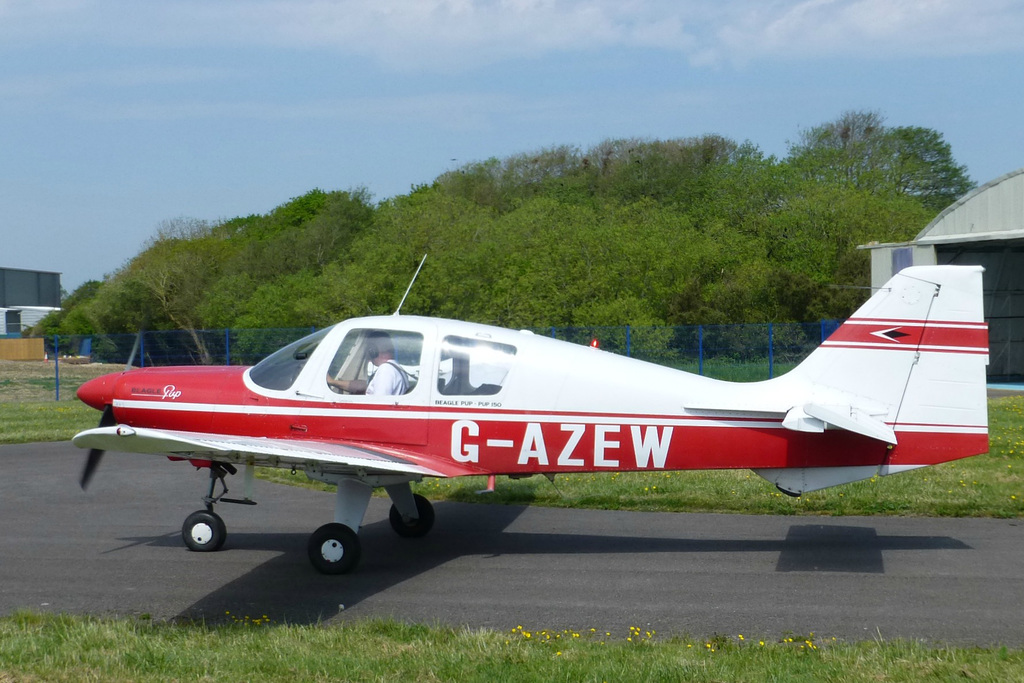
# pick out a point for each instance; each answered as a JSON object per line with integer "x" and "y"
{"x": 900, "y": 385}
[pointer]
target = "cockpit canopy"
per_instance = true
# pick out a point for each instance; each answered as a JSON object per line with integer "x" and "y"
{"x": 279, "y": 370}
{"x": 465, "y": 364}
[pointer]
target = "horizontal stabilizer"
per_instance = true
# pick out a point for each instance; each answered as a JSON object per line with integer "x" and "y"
{"x": 815, "y": 418}
{"x": 810, "y": 417}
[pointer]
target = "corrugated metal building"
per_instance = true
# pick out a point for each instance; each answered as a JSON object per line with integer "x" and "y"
{"x": 985, "y": 227}
{"x": 26, "y": 296}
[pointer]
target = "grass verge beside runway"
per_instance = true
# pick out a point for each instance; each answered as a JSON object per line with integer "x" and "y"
{"x": 32, "y": 422}
{"x": 989, "y": 485}
{"x": 66, "y": 648}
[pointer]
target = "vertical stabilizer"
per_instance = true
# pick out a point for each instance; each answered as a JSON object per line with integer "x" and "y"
{"x": 911, "y": 360}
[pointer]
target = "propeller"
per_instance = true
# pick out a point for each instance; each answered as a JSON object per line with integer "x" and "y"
{"x": 107, "y": 419}
{"x": 96, "y": 454}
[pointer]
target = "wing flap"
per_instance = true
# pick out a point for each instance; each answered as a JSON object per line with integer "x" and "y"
{"x": 340, "y": 457}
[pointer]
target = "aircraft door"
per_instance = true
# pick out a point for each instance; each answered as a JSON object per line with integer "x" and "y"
{"x": 372, "y": 389}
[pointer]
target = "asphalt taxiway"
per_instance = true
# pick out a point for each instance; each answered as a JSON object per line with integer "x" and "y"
{"x": 116, "y": 549}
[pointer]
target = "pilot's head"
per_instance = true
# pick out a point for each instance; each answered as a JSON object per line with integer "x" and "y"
{"x": 379, "y": 347}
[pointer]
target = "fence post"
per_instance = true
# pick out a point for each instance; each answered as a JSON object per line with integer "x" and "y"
{"x": 628, "y": 342}
{"x": 56, "y": 366}
{"x": 142, "y": 349}
{"x": 227, "y": 346}
{"x": 700, "y": 349}
{"x": 771, "y": 351}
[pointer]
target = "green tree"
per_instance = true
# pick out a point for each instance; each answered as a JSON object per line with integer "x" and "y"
{"x": 859, "y": 150}
{"x": 71, "y": 318}
{"x": 923, "y": 167}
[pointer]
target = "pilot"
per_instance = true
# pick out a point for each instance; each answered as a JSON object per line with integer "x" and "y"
{"x": 388, "y": 380}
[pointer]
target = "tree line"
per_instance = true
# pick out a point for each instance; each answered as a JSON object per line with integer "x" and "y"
{"x": 630, "y": 231}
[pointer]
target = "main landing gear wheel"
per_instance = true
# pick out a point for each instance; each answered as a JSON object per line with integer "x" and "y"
{"x": 334, "y": 549}
{"x": 204, "y": 531}
{"x": 413, "y": 528}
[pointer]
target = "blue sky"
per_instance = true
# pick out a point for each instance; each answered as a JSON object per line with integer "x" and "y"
{"x": 116, "y": 115}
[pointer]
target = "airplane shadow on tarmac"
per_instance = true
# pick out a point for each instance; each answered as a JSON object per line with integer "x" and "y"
{"x": 287, "y": 589}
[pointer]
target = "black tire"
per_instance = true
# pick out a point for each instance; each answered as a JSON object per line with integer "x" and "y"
{"x": 416, "y": 527}
{"x": 334, "y": 549}
{"x": 204, "y": 531}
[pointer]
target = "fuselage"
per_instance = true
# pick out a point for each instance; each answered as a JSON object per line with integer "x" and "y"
{"x": 490, "y": 400}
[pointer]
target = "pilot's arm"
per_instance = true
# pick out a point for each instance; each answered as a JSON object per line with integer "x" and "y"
{"x": 351, "y": 386}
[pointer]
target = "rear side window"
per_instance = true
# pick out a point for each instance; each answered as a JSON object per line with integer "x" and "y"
{"x": 473, "y": 367}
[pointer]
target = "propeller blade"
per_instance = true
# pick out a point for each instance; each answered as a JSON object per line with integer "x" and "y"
{"x": 92, "y": 461}
{"x": 135, "y": 349}
{"x": 107, "y": 419}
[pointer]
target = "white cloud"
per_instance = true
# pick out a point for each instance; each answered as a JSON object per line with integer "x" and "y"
{"x": 447, "y": 34}
{"x": 865, "y": 28}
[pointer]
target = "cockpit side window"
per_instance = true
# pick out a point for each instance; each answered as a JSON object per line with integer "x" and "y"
{"x": 376, "y": 362}
{"x": 473, "y": 367}
{"x": 279, "y": 370}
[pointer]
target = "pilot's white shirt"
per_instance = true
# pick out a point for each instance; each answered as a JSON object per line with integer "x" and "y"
{"x": 389, "y": 380}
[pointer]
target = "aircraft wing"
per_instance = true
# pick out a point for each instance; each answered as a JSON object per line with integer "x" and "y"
{"x": 342, "y": 458}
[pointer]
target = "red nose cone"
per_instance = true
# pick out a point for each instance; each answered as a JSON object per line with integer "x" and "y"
{"x": 98, "y": 393}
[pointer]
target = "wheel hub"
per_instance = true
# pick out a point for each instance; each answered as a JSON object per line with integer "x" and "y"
{"x": 202, "y": 533}
{"x": 332, "y": 551}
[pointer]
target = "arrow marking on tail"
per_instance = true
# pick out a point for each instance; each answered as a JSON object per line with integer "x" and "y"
{"x": 891, "y": 334}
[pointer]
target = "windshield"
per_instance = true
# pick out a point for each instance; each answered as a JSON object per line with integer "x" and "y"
{"x": 280, "y": 369}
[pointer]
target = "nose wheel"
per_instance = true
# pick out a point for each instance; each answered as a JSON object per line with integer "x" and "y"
{"x": 204, "y": 531}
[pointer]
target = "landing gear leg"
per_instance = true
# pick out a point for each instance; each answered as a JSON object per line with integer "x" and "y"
{"x": 204, "y": 531}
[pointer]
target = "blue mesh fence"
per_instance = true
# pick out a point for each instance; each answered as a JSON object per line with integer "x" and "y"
{"x": 734, "y": 352}
{"x": 176, "y": 347}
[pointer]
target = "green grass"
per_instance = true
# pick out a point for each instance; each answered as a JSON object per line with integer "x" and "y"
{"x": 31, "y": 381}
{"x": 65, "y": 648}
{"x": 31, "y": 422}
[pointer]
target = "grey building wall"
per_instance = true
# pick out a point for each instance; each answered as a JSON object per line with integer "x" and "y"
{"x": 29, "y": 288}
{"x": 985, "y": 227}
{"x": 26, "y": 296}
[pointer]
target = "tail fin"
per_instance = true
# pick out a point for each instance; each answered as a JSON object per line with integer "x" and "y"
{"x": 907, "y": 368}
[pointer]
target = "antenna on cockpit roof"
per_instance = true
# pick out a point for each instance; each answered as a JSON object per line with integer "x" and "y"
{"x": 407, "y": 289}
